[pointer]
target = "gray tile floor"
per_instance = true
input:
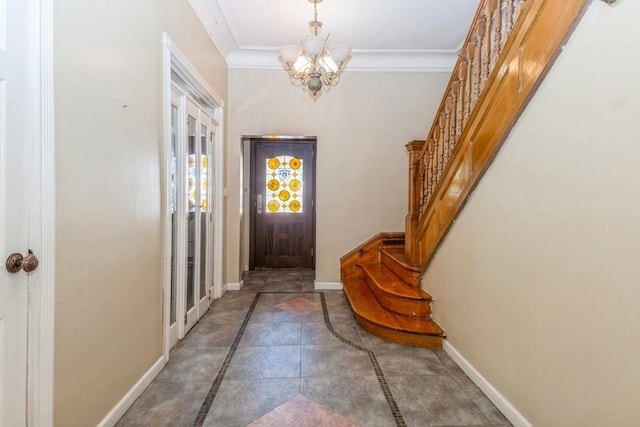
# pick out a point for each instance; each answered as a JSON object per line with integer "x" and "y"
{"x": 237, "y": 366}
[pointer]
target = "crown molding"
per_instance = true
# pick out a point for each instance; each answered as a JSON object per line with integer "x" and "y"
{"x": 381, "y": 61}
{"x": 216, "y": 21}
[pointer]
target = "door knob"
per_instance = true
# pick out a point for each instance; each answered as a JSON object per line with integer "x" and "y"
{"x": 16, "y": 262}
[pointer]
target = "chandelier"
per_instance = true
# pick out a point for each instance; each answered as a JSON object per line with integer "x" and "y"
{"x": 314, "y": 65}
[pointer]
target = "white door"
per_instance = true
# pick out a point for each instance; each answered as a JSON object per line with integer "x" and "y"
{"x": 16, "y": 167}
{"x": 197, "y": 212}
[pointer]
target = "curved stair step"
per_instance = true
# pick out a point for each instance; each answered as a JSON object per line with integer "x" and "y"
{"x": 372, "y": 317}
{"x": 394, "y": 258}
{"x": 393, "y": 293}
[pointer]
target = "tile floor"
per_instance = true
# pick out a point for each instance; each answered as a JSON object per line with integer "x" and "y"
{"x": 277, "y": 353}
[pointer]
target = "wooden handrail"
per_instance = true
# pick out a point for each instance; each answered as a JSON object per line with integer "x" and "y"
{"x": 509, "y": 47}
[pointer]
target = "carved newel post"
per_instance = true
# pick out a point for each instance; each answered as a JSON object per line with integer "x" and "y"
{"x": 416, "y": 178}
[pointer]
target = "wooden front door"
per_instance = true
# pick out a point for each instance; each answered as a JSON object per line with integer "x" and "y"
{"x": 282, "y": 203}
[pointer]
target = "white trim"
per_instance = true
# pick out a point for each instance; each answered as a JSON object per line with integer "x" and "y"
{"x": 327, "y": 286}
{"x": 41, "y": 316}
{"x": 234, "y": 286}
{"x": 183, "y": 67}
{"x": 125, "y": 403}
{"x": 392, "y": 61}
{"x": 218, "y": 198}
{"x": 501, "y": 402}
{"x": 164, "y": 182}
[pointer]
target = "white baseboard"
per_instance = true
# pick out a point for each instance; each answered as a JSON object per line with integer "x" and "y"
{"x": 125, "y": 403}
{"x": 327, "y": 286}
{"x": 507, "y": 409}
{"x": 233, "y": 286}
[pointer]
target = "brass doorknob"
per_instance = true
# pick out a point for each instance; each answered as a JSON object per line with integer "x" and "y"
{"x": 16, "y": 262}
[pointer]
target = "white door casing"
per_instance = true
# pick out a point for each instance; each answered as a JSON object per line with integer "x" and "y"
{"x": 26, "y": 211}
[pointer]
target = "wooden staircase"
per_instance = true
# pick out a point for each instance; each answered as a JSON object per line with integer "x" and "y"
{"x": 385, "y": 295}
{"x": 510, "y": 46}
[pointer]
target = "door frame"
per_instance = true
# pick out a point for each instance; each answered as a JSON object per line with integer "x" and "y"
{"x": 41, "y": 141}
{"x": 248, "y": 224}
{"x": 175, "y": 62}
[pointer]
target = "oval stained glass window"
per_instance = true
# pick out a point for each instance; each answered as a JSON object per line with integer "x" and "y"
{"x": 273, "y": 184}
{"x": 284, "y": 195}
{"x": 273, "y": 163}
{"x": 294, "y": 163}
{"x": 294, "y": 206}
{"x": 294, "y": 185}
{"x": 273, "y": 205}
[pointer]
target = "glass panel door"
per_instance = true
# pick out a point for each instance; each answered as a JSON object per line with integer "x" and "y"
{"x": 192, "y": 181}
{"x": 204, "y": 214}
{"x": 173, "y": 198}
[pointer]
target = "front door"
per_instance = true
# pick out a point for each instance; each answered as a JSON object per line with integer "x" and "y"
{"x": 16, "y": 170}
{"x": 282, "y": 200}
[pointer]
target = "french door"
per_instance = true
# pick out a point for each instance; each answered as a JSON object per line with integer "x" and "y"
{"x": 191, "y": 178}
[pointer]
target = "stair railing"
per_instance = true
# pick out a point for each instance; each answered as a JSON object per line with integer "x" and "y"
{"x": 506, "y": 53}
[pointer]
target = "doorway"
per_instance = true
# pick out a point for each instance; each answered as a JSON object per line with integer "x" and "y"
{"x": 193, "y": 196}
{"x": 282, "y": 202}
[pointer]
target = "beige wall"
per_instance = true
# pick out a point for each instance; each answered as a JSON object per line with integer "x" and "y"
{"x": 538, "y": 283}
{"x": 361, "y": 125}
{"x": 108, "y": 65}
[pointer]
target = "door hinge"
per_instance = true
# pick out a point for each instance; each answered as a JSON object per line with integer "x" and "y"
{"x": 185, "y": 319}
{"x": 311, "y": 251}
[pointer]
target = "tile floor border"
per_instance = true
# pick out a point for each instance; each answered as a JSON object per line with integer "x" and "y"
{"x": 215, "y": 386}
{"x": 386, "y": 390}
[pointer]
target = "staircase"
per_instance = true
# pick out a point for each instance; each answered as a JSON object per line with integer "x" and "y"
{"x": 385, "y": 294}
{"x": 509, "y": 47}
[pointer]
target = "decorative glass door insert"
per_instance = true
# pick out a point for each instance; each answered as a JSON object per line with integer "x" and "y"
{"x": 284, "y": 184}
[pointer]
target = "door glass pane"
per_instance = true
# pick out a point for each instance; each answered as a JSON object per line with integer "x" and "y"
{"x": 172, "y": 201}
{"x": 284, "y": 184}
{"x": 191, "y": 207}
{"x": 204, "y": 209}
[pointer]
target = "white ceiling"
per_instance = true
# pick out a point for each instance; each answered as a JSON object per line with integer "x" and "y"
{"x": 386, "y": 35}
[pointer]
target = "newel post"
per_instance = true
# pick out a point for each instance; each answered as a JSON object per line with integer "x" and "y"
{"x": 416, "y": 177}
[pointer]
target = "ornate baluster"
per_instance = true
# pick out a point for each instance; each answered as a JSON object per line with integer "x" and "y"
{"x": 467, "y": 84}
{"x": 438, "y": 152}
{"x": 496, "y": 25}
{"x": 484, "y": 25}
{"x": 442, "y": 123}
{"x": 462, "y": 72}
{"x": 423, "y": 181}
{"x": 507, "y": 6}
{"x": 429, "y": 172}
{"x": 475, "y": 70}
{"x": 451, "y": 107}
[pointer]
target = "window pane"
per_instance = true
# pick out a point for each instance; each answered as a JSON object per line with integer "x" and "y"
{"x": 173, "y": 197}
{"x": 191, "y": 207}
{"x": 204, "y": 209}
{"x": 284, "y": 184}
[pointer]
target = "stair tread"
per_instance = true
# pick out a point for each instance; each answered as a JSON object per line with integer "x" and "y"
{"x": 399, "y": 255}
{"x": 392, "y": 284}
{"x": 365, "y": 304}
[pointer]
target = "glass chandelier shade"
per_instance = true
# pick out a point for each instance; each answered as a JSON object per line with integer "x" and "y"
{"x": 313, "y": 65}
